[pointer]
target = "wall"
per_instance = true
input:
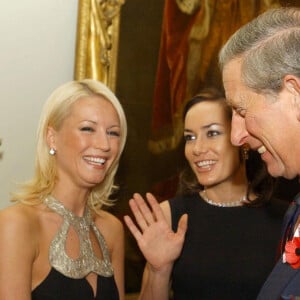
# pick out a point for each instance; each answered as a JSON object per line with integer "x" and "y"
{"x": 36, "y": 55}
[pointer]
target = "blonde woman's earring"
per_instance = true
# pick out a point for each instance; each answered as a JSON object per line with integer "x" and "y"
{"x": 52, "y": 151}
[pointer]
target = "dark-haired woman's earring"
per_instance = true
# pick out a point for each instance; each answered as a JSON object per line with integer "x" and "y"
{"x": 52, "y": 151}
{"x": 245, "y": 151}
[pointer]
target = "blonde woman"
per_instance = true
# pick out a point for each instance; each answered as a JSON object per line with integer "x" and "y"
{"x": 56, "y": 241}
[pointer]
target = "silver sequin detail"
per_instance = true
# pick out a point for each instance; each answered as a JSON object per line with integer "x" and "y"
{"x": 87, "y": 261}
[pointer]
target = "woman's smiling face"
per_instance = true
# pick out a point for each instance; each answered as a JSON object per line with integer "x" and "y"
{"x": 208, "y": 149}
{"x": 87, "y": 142}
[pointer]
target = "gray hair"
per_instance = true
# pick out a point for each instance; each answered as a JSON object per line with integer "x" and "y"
{"x": 269, "y": 48}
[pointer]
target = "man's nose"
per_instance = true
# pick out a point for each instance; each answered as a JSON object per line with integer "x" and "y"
{"x": 239, "y": 133}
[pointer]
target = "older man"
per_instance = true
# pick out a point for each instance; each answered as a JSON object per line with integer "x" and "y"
{"x": 260, "y": 64}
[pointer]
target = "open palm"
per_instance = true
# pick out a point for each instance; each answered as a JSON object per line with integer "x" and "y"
{"x": 159, "y": 244}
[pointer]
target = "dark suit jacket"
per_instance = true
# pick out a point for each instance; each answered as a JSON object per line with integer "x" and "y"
{"x": 283, "y": 283}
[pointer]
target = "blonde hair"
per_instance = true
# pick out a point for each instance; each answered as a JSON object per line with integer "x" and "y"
{"x": 55, "y": 111}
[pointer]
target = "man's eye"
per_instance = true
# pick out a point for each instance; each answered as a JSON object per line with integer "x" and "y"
{"x": 240, "y": 111}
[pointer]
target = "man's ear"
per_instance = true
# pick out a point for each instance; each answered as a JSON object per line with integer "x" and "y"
{"x": 51, "y": 137}
{"x": 292, "y": 84}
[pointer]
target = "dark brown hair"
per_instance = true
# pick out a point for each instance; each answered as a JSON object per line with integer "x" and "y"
{"x": 260, "y": 182}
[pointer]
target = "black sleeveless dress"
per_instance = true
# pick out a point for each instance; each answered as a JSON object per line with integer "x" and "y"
{"x": 56, "y": 286}
{"x": 228, "y": 251}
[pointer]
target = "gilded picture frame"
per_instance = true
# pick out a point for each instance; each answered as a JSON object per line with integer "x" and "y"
{"x": 97, "y": 40}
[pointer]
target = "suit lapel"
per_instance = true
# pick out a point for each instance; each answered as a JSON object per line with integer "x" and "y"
{"x": 281, "y": 281}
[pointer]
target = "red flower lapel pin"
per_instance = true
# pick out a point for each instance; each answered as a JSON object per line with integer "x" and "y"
{"x": 292, "y": 252}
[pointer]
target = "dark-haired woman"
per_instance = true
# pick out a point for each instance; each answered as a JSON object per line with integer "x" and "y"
{"x": 218, "y": 238}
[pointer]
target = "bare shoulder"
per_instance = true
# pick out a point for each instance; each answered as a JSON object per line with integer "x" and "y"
{"x": 20, "y": 221}
{"x": 18, "y": 217}
{"x": 165, "y": 205}
{"x": 109, "y": 225}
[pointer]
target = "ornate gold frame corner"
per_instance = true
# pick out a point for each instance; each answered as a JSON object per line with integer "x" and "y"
{"x": 97, "y": 40}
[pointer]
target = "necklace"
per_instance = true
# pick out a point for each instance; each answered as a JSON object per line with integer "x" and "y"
{"x": 87, "y": 261}
{"x": 226, "y": 204}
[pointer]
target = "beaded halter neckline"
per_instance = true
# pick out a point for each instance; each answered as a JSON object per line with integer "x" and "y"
{"x": 87, "y": 261}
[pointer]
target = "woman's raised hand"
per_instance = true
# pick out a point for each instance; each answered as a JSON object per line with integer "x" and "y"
{"x": 159, "y": 244}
